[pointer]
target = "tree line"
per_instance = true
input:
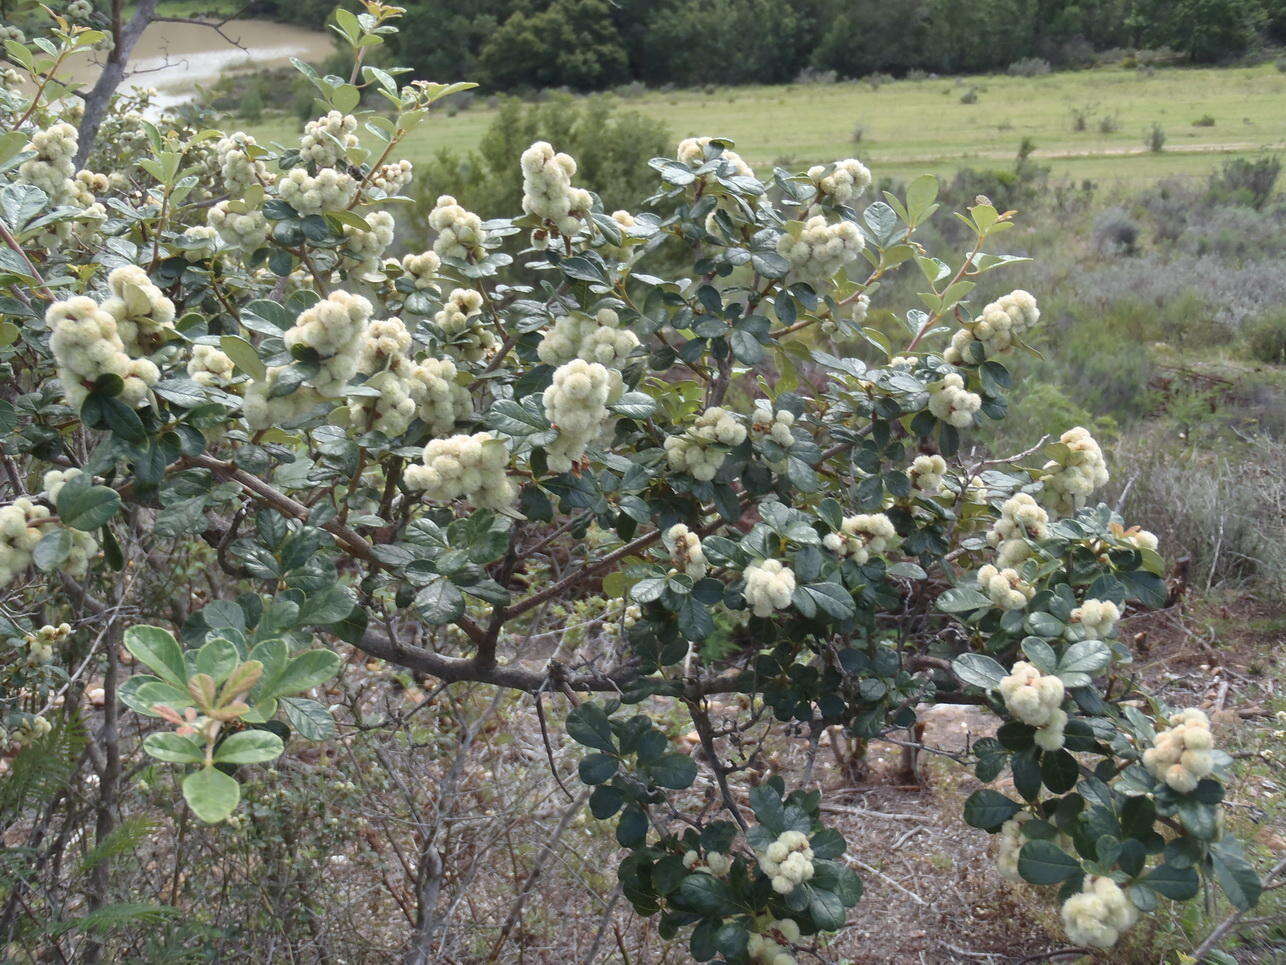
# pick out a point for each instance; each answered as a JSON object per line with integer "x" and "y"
{"x": 597, "y": 44}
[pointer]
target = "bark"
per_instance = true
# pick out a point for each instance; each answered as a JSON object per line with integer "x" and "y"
{"x": 125, "y": 35}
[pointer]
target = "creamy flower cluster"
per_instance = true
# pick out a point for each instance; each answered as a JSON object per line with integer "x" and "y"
{"x": 1071, "y": 480}
{"x": 927, "y": 473}
{"x": 53, "y": 481}
{"x": 392, "y": 178}
{"x": 210, "y": 366}
{"x": 1139, "y": 538}
{"x": 460, "y": 233}
{"x": 144, "y": 316}
{"x": 596, "y": 338}
{"x": 692, "y": 151}
{"x": 856, "y": 312}
{"x": 685, "y": 551}
{"x": 1036, "y": 699}
{"x": 1006, "y": 587}
{"x": 368, "y": 247}
{"x": 702, "y": 448}
{"x": 463, "y": 327}
{"x": 1021, "y": 519}
{"x": 769, "y": 586}
{"x": 86, "y": 345}
{"x": 863, "y": 536}
{"x": 819, "y": 250}
{"x": 18, "y": 538}
{"x": 40, "y": 644}
{"x": 422, "y": 268}
{"x": 763, "y": 949}
{"x": 386, "y": 344}
{"x": 845, "y": 183}
{"x": 238, "y": 166}
{"x": 330, "y": 190}
{"x": 765, "y": 423}
{"x": 333, "y": 329}
{"x": 262, "y": 410}
{"x": 1181, "y": 755}
{"x": 1098, "y": 914}
{"x": 714, "y": 864}
{"x": 576, "y": 405}
{"x": 1000, "y": 325}
{"x": 1098, "y": 617}
{"x": 788, "y": 861}
{"x": 547, "y": 190}
{"x": 952, "y": 403}
{"x": 51, "y": 170}
{"x": 79, "y": 10}
{"x": 427, "y": 389}
{"x": 1009, "y": 842}
{"x": 327, "y": 140}
{"x": 464, "y": 467}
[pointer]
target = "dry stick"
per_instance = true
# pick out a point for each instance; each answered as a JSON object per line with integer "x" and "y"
{"x": 1213, "y": 939}
{"x": 515, "y": 913}
{"x": 902, "y": 888}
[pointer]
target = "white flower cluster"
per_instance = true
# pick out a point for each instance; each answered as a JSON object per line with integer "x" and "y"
{"x": 79, "y": 10}
{"x": 386, "y": 344}
{"x": 460, "y": 233}
{"x": 18, "y": 538}
{"x": 863, "y": 536}
{"x": 210, "y": 366}
{"x": 692, "y": 151}
{"x": 262, "y": 410}
{"x": 952, "y": 403}
{"x": 86, "y": 345}
{"x": 856, "y": 311}
{"x": 685, "y": 551}
{"x": 714, "y": 864}
{"x": 927, "y": 473}
{"x": 463, "y": 327}
{"x": 1000, "y": 325}
{"x": 1098, "y": 617}
{"x": 1006, "y": 587}
{"x": 41, "y": 643}
{"x": 1021, "y": 519}
{"x": 1139, "y": 538}
{"x": 247, "y": 230}
{"x": 239, "y": 167}
{"x": 1098, "y": 914}
{"x": 422, "y": 268}
{"x": 597, "y": 338}
{"x": 817, "y": 250}
{"x": 1071, "y": 480}
{"x": 701, "y": 449}
{"x": 769, "y": 586}
{"x": 788, "y": 861}
{"x": 765, "y": 423}
{"x": 332, "y": 328}
{"x": 441, "y": 400}
{"x": 54, "y": 480}
{"x": 368, "y": 247}
{"x": 845, "y": 183}
{"x": 330, "y": 190}
{"x": 390, "y": 412}
{"x": 1036, "y": 699}
{"x": 464, "y": 467}
{"x": 576, "y": 405}
{"x": 199, "y": 242}
{"x": 547, "y": 190}
{"x": 763, "y": 949}
{"x": 144, "y": 316}
{"x": 327, "y": 140}
{"x": 51, "y": 170}
{"x": 1181, "y": 754}
{"x": 1008, "y": 843}
{"x": 392, "y": 178}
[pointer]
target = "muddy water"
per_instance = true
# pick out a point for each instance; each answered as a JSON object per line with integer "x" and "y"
{"x": 174, "y": 57}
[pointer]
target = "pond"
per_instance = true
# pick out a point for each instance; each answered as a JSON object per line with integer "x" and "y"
{"x": 176, "y": 57}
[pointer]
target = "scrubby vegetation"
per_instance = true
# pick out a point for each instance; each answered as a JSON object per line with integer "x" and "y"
{"x": 363, "y": 578}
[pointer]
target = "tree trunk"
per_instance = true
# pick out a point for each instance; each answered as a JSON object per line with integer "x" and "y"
{"x": 125, "y": 36}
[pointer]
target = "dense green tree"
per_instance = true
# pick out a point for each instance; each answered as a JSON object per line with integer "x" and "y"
{"x": 570, "y": 43}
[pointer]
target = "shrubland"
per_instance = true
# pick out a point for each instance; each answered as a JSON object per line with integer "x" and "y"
{"x": 295, "y": 521}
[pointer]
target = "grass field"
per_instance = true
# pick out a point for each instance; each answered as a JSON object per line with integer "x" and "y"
{"x": 912, "y": 126}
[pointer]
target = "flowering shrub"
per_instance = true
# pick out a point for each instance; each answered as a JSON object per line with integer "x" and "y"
{"x": 374, "y": 448}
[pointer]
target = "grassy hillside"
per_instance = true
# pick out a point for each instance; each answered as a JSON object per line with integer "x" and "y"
{"x": 912, "y": 126}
